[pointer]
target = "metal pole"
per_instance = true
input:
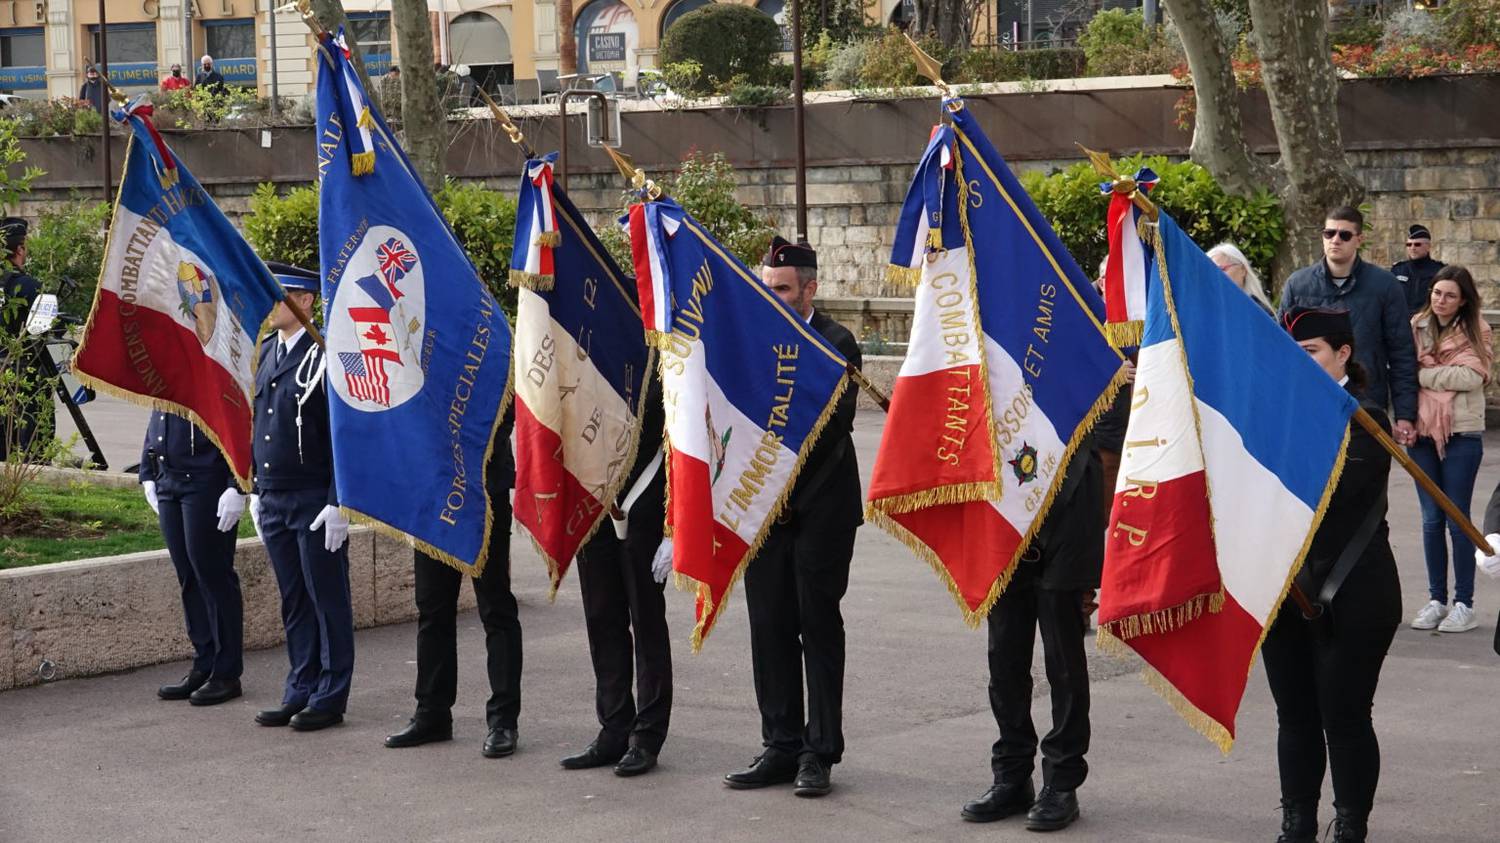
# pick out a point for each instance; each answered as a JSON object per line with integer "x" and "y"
{"x": 1149, "y": 13}
{"x": 1030, "y": 27}
{"x": 275, "y": 86}
{"x": 562, "y": 141}
{"x": 187, "y": 37}
{"x": 104, "y": 102}
{"x": 799, "y": 121}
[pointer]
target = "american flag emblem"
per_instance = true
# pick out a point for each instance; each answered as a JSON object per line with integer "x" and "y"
{"x": 365, "y": 374}
{"x": 395, "y": 261}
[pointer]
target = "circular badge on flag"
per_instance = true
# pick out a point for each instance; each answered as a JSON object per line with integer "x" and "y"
{"x": 375, "y": 323}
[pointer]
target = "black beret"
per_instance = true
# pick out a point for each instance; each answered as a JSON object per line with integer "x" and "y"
{"x": 1311, "y": 323}
{"x": 1418, "y": 231}
{"x": 784, "y": 252}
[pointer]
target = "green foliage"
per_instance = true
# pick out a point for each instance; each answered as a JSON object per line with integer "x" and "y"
{"x": 485, "y": 223}
{"x": 890, "y": 63}
{"x": 1116, "y": 43}
{"x": 68, "y": 242}
{"x": 747, "y": 95}
{"x": 1012, "y": 65}
{"x": 727, "y": 41}
{"x": 837, "y": 20}
{"x": 1471, "y": 22}
{"x": 51, "y": 118}
{"x": 284, "y": 227}
{"x": 844, "y": 63}
{"x": 704, "y": 186}
{"x": 199, "y": 107}
{"x": 1070, "y": 198}
{"x": 681, "y": 76}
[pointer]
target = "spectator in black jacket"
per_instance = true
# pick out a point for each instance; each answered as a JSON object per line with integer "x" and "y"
{"x": 1415, "y": 273}
{"x": 208, "y": 76}
{"x": 1377, "y": 308}
{"x": 92, "y": 91}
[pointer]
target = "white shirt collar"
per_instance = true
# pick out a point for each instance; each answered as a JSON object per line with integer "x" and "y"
{"x": 1343, "y": 380}
{"x": 810, "y": 313}
{"x": 291, "y": 342}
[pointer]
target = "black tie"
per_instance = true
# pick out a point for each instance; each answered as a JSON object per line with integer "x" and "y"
{"x": 280, "y": 353}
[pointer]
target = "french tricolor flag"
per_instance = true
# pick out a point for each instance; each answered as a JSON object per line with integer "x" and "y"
{"x": 748, "y": 387}
{"x": 1125, "y": 268}
{"x": 1235, "y": 442}
{"x": 581, "y": 361}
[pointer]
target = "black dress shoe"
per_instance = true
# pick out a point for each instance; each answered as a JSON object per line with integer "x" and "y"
{"x": 215, "y": 691}
{"x": 418, "y": 732}
{"x": 635, "y": 762}
{"x": 499, "y": 743}
{"x": 812, "y": 777}
{"x": 278, "y": 716}
{"x": 312, "y": 720}
{"x": 592, "y": 757}
{"x": 185, "y": 688}
{"x": 1005, "y": 799}
{"x": 768, "y": 768}
{"x": 1054, "y": 810}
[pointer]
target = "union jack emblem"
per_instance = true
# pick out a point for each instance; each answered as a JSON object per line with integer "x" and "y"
{"x": 365, "y": 375}
{"x": 395, "y": 261}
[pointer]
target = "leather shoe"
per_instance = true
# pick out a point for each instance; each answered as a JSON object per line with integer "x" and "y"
{"x": 768, "y": 768}
{"x": 591, "y": 757}
{"x": 185, "y": 688}
{"x": 1054, "y": 810}
{"x": 418, "y": 732}
{"x": 812, "y": 777}
{"x": 499, "y": 743}
{"x": 278, "y": 716}
{"x": 215, "y": 691}
{"x": 312, "y": 720}
{"x": 635, "y": 762}
{"x": 1001, "y": 801}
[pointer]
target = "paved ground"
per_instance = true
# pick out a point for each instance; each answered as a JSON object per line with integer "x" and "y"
{"x": 102, "y": 759}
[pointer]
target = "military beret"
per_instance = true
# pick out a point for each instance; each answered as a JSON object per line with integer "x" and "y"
{"x": 1311, "y": 323}
{"x": 784, "y": 252}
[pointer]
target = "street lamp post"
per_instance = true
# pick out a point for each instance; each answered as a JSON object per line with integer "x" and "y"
{"x": 104, "y": 101}
{"x": 799, "y": 116}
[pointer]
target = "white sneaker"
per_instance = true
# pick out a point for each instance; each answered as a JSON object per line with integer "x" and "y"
{"x": 1461, "y": 619}
{"x": 1430, "y": 616}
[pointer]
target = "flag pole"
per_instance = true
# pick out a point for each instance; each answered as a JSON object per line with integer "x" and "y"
{"x": 511, "y": 129}
{"x": 1450, "y": 509}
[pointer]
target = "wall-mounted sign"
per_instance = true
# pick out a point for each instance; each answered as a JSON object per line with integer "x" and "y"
{"x": 23, "y": 78}
{"x": 606, "y": 46}
{"x": 236, "y": 71}
{"x": 134, "y": 74}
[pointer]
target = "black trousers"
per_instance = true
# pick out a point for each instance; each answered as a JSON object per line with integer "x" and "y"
{"x": 620, "y": 596}
{"x": 1323, "y": 675}
{"x": 437, "y": 587}
{"x": 1023, "y": 608}
{"x": 203, "y": 557}
{"x": 792, "y": 590}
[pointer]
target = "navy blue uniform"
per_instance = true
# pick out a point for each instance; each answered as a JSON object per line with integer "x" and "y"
{"x": 295, "y": 481}
{"x": 190, "y": 476}
{"x": 17, "y": 293}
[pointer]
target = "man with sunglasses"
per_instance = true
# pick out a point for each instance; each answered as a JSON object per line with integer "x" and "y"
{"x": 1415, "y": 273}
{"x": 1377, "y": 307}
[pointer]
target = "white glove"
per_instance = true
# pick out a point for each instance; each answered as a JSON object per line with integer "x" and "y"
{"x": 149, "y": 488}
{"x": 231, "y": 507}
{"x": 335, "y": 526}
{"x": 1489, "y": 564}
{"x": 661, "y": 563}
{"x": 255, "y": 516}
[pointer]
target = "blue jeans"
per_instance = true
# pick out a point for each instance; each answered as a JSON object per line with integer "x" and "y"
{"x": 1454, "y": 474}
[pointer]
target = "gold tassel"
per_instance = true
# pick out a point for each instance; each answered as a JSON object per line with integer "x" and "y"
{"x": 531, "y": 280}
{"x": 935, "y": 238}
{"x": 906, "y": 276}
{"x": 1124, "y": 334}
{"x": 549, "y": 239}
{"x": 362, "y": 163}
{"x": 365, "y": 121}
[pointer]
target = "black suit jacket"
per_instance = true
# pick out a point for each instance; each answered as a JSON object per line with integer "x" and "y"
{"x": 278, "y": 465}
{"x": 827, "y": 494}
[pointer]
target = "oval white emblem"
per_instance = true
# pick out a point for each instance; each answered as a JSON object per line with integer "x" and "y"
{"x": 375, "y": 323}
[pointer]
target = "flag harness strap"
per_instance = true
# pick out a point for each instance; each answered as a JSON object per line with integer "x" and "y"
{"x": 1352, "y": 553}
{"x": 309, "y": 372}
{"x": 636, "y": 490}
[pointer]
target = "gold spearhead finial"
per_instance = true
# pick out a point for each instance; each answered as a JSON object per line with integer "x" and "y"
{"x": 511, "y": 129}
{"x": 1102, "y": 165}
{"x": 933, "y": 70}
{"x": 1124, "y": 185}
{"x": 310, "y": 18}
{"x": 633, "y": 174}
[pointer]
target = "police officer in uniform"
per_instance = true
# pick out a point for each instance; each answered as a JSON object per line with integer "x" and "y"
{"x": 1415, "y": 273}
{"x": 794, "y": 584}
{"x": 437, "y": 585}
{"x": 296, "y": 512}
{"x": 622, "y": 594}
{"x": 1051, "y": 589}
{"x": 17, "y": 293}
{"x": 189, "y": 485}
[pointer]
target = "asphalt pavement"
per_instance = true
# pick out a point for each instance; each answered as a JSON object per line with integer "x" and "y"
{"x": 103, "y": 759}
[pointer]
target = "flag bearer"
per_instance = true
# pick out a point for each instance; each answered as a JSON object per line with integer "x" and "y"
{"x": 296, "y": 512}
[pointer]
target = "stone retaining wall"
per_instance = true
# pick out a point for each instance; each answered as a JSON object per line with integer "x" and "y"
{"x": 93, "y": 616}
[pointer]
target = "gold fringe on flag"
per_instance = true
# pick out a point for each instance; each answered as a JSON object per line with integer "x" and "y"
{"x": 1165, "y": 620}
{"x": 362, "y": 163}
{"x": 1124, "y": 334}
{"x": 549, "y": 239}
{"x": 533, "y": 281}
{"x": 906, "y": 276}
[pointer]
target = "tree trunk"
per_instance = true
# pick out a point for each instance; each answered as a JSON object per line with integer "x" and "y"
{"x": 567, "y": 44}
{"x": 1218, "y": 125}
{"x": 422, "y": 120}
{"x": 330, "y": 13}
{"x": 1292, "y": 40}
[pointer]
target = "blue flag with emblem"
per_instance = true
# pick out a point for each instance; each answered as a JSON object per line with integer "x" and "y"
{"x": 418, "y": 349}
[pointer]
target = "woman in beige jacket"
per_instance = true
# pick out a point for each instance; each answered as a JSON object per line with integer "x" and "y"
{"x": 1453, "y": 365}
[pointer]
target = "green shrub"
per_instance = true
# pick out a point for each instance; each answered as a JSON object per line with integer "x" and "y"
{"x": 1070, "y": 198}
{"x": 68, "y": 242}
{"x": 285, "y": 228}
{"x": 890, "y": 63}
{"x": 1012, "y": 65}
{"x": 1116, "y": 43}
{"x": 49, "y": 118}
{"x": 726, "y": 41}
{"x": 1471, "y": 22}
{"x": 746, "y": 95}
{"x": 844, "y": 64}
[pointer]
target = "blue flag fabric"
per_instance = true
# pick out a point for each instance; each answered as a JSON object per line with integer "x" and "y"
{"x": 418, "y": 349}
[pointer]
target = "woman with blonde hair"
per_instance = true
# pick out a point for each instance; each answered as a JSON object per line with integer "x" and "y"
{"x": 1453, "y": 365}
{"x": 1232, "y": 262}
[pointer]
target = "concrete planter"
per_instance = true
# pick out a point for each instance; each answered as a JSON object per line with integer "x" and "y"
{"x": 90, "y": 616}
